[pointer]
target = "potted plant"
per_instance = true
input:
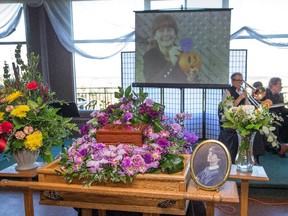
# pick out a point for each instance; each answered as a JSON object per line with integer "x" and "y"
{"x": 28, "y": 125}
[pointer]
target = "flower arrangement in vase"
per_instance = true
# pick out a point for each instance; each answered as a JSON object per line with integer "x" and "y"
{"x": 27, "y": 122}
{"x": 164, "y": 142}
{"x": 247, "y": 120}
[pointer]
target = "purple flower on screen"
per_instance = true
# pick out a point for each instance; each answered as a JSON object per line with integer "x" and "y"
{"x": 186, "y": 44}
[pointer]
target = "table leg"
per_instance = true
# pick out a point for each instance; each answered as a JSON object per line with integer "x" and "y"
{"x": 101, "y": 212}
{"x": 86, "y": 212}
{"x": 244, "y": 197}
{"x": 28, "y": 203}
{"x": 209, "y": 208}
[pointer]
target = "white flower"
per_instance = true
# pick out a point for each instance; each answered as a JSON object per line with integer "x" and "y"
{"x": 248, "y": 109}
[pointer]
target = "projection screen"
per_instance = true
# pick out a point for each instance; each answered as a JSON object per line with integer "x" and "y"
{"x": 183, "y": 47}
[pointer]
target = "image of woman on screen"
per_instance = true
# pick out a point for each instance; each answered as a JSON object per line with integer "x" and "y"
{"x": 212, "y": 174}
{"x": 161, "y": 61}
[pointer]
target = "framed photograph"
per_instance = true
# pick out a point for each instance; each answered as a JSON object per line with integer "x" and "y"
{"x": 210, "y": 165}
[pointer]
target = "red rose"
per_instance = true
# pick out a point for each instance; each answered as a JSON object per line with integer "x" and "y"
{"x": 32, "y": 85}
{"x": 2, "y": 143}
{"x": 6, "y": 127}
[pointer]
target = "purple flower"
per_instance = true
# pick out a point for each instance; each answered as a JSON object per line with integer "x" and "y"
{"x": 164, "y": 134}
{"x": 153, "y": 136}
{"x": 153, "y": 164}
{"x": 110, "y": 108}
{"x": 137, "y": 161}
{"x": 153, "y": 113}
{"x": 117, "y": 122}
{"x": 190, "y": 137}
{"x": 149, "y": 102}
{"x": 176, "y": 127}
{"x": 130, "y": 171}
{"x": 103, "y": 119}
{"x": 122, "y": 100}
{"x": 156, "y": 155}
{"x": 163, "y": 142}
{"x": 148, "y": 158}
{"x": 127, "y": 117}
{"x": 84, "y": 129}
{"x": 83, "y": 152}
{"x": 126, "y": 162}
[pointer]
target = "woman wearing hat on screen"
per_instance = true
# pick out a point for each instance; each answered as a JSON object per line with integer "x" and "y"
{"x": 161, "y": 61}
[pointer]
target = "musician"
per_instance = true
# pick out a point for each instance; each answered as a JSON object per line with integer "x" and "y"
{"x": 259, "y": 93}
{"x": 235, "y": 90}
{"x": 229, "y": 136}
{"x": 273, "y": 93}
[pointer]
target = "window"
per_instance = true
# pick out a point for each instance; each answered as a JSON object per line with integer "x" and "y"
{"x": 268, "y": 18}
{"x": 8, "y": 44}
{"x": 106, "y": 20}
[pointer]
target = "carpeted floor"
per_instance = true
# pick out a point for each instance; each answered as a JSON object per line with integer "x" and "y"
{"x": 276, "y": 170}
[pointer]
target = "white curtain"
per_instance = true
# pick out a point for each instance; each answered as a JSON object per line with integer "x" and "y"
{"x": 59, "y": 13}
{"x": 250, "y": 33}
{"x": 10, "y": 15}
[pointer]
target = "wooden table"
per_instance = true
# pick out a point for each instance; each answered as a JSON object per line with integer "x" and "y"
{"x": 258, "y": 174}
{"x": 144, "y": 194}
{"x": 227, "y": 193}
{"x": 23, "y": 175}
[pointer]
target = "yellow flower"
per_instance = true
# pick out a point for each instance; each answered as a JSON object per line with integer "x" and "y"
{"x": 1, "y": 115}
{"x": 34, "y": 141}
{"x": 13, "y": 96}
{"x": 20, "y": 111}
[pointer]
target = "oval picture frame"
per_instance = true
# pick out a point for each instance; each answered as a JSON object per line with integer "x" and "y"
{"x": 210, "y": 172}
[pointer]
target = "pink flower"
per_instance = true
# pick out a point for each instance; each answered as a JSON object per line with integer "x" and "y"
{"x": 164, "y": 134}
{"x": 9, "y": 108}
{"x": 149, "y": 102}
{"x": 137, "y": 161}
{"x": 20, "y": 135}
{"x": 176, "y": 127}
{"x": 28, "y": 130}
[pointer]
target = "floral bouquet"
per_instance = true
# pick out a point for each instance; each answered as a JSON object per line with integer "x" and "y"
{"x": 27, "y": 122}
{"x": 247, "y": 119}
{"x": 164, "y": 142}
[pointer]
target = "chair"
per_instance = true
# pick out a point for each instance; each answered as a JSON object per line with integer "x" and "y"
{"x": 66, "y": 109}
{"x": 91, "y": 105}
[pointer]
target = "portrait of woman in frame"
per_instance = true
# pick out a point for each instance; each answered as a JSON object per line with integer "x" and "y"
{"x": 210, "y": 165}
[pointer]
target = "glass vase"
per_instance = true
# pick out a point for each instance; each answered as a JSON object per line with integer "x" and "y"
{"x": 244, "y": 158}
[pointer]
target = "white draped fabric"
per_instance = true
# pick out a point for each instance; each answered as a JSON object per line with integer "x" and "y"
{"x": 61, "y": 22}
